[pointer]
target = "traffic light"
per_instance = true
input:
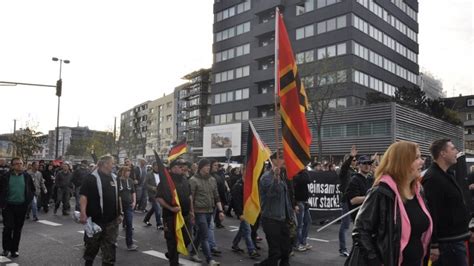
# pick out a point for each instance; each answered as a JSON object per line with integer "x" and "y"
{"x": 59, "y": 87}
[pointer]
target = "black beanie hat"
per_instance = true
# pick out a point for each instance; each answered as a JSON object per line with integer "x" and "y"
{"x": 203, "y": 162}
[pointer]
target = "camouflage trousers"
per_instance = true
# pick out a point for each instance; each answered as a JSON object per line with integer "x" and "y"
{"x": 105, "y": 241}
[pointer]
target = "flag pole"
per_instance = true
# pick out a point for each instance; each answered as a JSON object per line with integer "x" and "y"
{"x": 277, "y": 114}
{"x": 191, "y": 239}
{"x": 338, "y": 218}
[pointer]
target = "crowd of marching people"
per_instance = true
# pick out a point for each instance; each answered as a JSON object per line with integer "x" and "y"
{"x": 401, "y": 214}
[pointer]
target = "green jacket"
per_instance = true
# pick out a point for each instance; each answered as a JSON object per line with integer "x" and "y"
{"x": 204, "y": 191}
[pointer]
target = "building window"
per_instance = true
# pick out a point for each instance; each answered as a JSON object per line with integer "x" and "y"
{"x": 390, "y": 19}
{"x": 331, "y": 24}
{"x": 307, "y": 6}
{"x": 229, "y": 75}
{"x": 470, "y": 102}
{"x": 233, "y": 31}
{"x": 305, "y": 57}
{"x": 468, "y": 116}
{"x": 324, "y": 3}
{"x": 383, "y": 38}
{"x": 305, "y": 32}
{"x": 224, "y": 97}
{"x": 238, "y": 116}
{"x": 245, "y": 115}
{"x": 384, "y": 63}
{"x": 373, "y": 83}
{"x": 233, "y": 10}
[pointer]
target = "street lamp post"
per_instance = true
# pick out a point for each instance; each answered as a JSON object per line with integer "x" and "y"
{"x": 59, "y": 101}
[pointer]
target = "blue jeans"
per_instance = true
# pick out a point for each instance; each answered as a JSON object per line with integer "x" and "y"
{"x": 156, "y": 209}
{"x": 34, "y": 207}
{"x": 453, "y": 253}
{"x": 128, "y": 217}
{"x": 203, "y": 220}
{"x": 244, "y": 231}
{"x": 304, "y": 220}
{"x": 345, "y": 223}
{"x": 212, "y": 227}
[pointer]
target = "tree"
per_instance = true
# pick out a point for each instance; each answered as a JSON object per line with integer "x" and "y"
{"x": 442, "y": 110}
{"x": 100, "y": 143}
{"x": 412, "y": 97}
{"x": 323, "y": 80}
{"x": 27, "y": 141}
{"x": 415, "y": 98}
{"x": 132, "y": 140}
{"x": 377, "y": 97}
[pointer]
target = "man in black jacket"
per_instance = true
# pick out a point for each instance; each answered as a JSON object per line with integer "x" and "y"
{"x": 447, "y": 207}
{"x": 99, "y": 201}
{"x": 163, "y": 195}
{"x": 303, "y": 216}
{"x": 78, "y": 176}
{"x": 348, "y": 169}
{"x": 244, "y": 228}
{"x": 16, "y": 192}
{"x": 359, "y": 185}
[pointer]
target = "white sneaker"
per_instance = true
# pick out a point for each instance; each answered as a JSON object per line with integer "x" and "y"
{"x": 195, "y": 258}
{"x": 308, "y": 246}
{"x": 133, "y": 247}
{"x": 301, "y": 248}
{"x": 213, "y": 263}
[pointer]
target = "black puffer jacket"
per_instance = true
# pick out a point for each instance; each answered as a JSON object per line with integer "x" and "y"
{"x": 375, "y": 234}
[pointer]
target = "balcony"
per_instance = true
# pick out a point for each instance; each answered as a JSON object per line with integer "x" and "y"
{"x": 263, "y": 51}
{"x": 262, "y": 5}
{"x": 263, "y": 28}
{"x": 262, "y": 75}
{"x": 468, "y": 123}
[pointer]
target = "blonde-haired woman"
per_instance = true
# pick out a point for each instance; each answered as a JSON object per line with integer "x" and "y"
{"x": 393, "y": 226}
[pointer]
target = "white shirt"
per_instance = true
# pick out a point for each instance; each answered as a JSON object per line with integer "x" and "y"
{"x": 157, "y": 178}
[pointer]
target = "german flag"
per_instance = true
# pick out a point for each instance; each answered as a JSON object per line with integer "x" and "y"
{"x": 257, "y": 154}
{"x": 172, "y": 197}
{"x": 293, "y": 105}
{"x": 177, "y": 150}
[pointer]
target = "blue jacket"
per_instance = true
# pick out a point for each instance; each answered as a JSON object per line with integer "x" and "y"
{"x": 274, "y": 200}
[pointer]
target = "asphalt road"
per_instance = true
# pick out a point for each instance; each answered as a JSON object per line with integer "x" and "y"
{"x": 58, "y": 240}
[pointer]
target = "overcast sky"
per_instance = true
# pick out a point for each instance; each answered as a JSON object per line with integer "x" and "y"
{"x": 123, "y": 53}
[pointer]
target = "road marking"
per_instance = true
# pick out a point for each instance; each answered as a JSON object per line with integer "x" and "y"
{"x": 317, "y": 239}
{"x": 4, "y": 259}
{"x": 125, "y": 237}
{"x": 51, "y": 238}
{"x": 46, "y": 222}
{"x": 160, "y": 255}
{"x": 81, "y": 232}
{"x": 233, "y": 228}
{"x": 12, "y": 264}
